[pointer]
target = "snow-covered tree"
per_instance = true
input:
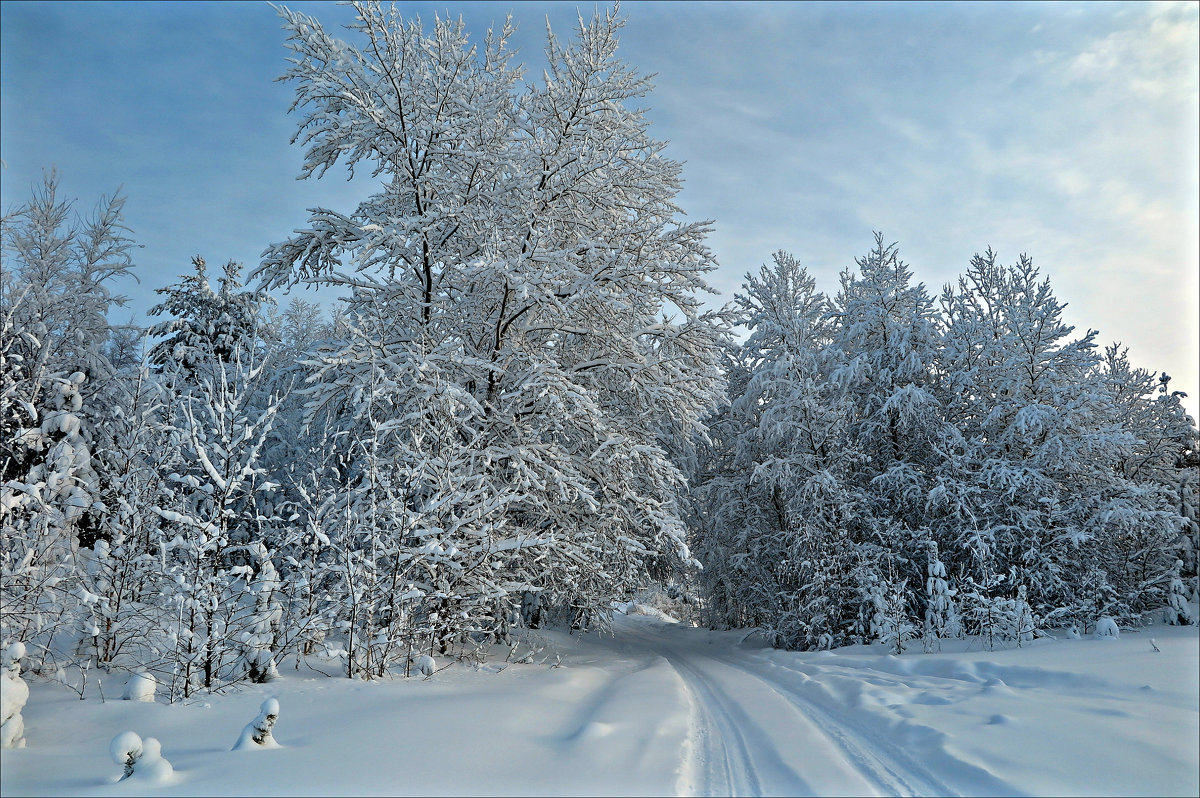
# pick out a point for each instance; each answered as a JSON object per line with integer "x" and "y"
{"x": 1038, "y": 479}
{"x": 55, "y": 275}
{"x": 1177, "y": 611}
{"x": 522, "y": 260}
{"x": 122, "y": 576}
{"x": 777, "y": 523}
{"x": 257, "y": 733}
{"x": 213, "y": 554}
{"x": 1049, "y": 479}
{"x": 204, "y": 326}
{"x": 1160, "y": 471}
{"x": 941, "y": 612}
{"x": 886, "y": 343}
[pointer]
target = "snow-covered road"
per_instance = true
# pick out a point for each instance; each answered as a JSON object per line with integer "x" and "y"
{"x": 664, "y": 709}
{"x": 1068, "y": 717}
{"x": 755, "y": 731}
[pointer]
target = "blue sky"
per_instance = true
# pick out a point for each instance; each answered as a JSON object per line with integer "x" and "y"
{"x": 1068, "y": 131}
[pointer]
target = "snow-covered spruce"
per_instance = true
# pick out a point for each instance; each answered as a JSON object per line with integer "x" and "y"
{"x": 140, "y": 759}
{"x": 1106, "y": 629}
{"x": 126, "y": 749}
{"x": 257, "y": 733}
{"x": 941, "y": 614}
{"x": 13, "y": 695}
{"x": 1177, "y": 611}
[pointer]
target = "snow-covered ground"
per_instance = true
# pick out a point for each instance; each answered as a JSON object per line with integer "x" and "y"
{"x": 664, "y": 709}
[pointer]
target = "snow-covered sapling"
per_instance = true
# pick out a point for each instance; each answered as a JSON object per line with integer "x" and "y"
{"x": 13, "y": 695}
{"x": 257, "y": 733}
{"x": 1023, "y": 617}
{"x": 126, "y": 749}
{"x": 153, "y": 766}
{"x": 424, "y": 665}
{"x": 1177, "y": 612}
{"x": 1107, "y": 628}
{"x": 140, "y": 758}
{"x": 140, "y": 687}
{"x": 939, "y": 606}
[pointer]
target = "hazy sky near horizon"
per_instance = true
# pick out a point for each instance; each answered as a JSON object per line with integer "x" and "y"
{"x": 1067, "y": 131}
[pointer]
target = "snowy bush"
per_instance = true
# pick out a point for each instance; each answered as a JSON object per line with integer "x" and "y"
{"x": 1106, "y": 628}
{"x": 1177, "y": 612}
{"x": 257, "y": 733}
{"x": 140, "y": 687}
{"x": 1021, "y": 614}
{"x": 140, "y": 759}
{"x": 13, "y": 695}
{"x": 893, "y": 628}
{"x": 126, "y": 749}
{"x": 941, "y": 613}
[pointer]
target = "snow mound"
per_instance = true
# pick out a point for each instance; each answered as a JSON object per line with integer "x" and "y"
{"x": 140, "y": 687}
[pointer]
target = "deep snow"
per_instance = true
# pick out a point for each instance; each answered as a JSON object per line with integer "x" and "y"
{"x": 664, "y": 709}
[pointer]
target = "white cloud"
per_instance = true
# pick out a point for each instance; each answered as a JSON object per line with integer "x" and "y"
{"x": 1157, "y": 57}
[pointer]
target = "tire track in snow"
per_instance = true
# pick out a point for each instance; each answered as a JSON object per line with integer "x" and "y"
{"x": 723, "y": 751}
{"x": 732, "y": 751}
{"x": 739, "y": 755}
{"x": 886, "y": 764}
